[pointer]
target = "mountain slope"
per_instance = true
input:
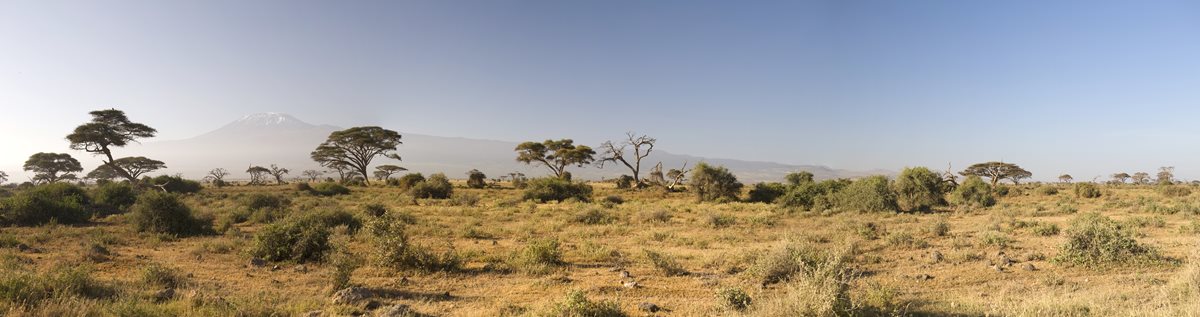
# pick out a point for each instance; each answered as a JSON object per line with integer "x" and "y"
{"x": 276, "y": 138}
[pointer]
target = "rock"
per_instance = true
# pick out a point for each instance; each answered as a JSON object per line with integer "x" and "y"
{"x": 924, "y": 277}
{"x": 631, "y": 284}
{"x": 350, "y": 295}
{"x": 1029, "y": 267}
{"x": 275, "y": 268}
{"x": 936, "y": 256}
{"x": 398, "y": 310}
{"x": 372, "y": 305}
{"x": 258, "y": 262}
{"x": 164, "y": 295}
{"x": 649, "y": 307}
{"x": 23, "y": 247}
{"x": 301, "y": 269}
{"x": 625, "y": 274}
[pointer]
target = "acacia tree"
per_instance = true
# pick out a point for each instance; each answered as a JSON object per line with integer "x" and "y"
{"x": 386, "y": 171}
{"x": 476, "y": 179}
{"x": 1065, "y": 178}
{"x": 3, "y": 177}
{"x": 1166, "y": 175}
{"x": 1120, "y": 178}
{"x": 616, "y": 153}
{"x": 257, "y": 174}
{"x": 217, "y": 176}
{"x": 312, "y": 175}
{"x": 52, "y": 167}
{"x": 1141, "y": 178}
{"x": 136, "y": 166}
{"x": 995, "y": 171}
{"x": 108, "y": 129}
{"x": 278, "y": 173}
{"x": 556, "y": 155}
{"x": 354, "y": 148}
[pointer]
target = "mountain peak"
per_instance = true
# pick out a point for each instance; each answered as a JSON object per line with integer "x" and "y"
{"x": 269, "y": 119}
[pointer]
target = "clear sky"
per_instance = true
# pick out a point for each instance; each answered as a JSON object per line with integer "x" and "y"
{"x": 1082, "y": 87}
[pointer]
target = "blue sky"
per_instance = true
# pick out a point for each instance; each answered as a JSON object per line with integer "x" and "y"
{"x": 1082, "y": 87}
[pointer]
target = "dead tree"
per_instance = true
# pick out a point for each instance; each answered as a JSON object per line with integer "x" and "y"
{"x": 616, "y": 153}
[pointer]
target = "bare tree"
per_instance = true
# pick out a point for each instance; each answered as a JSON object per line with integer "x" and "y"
{"x": 1166, "y": 175}
{"x": 677, "y": 176}
{"x": 278, "y": 173}
{"x": 616, "y": 153}
{"x": 312, "y": 175}
{"x": 216, "y": 176}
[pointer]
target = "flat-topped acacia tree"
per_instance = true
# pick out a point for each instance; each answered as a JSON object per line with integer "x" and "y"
{"x": 356, "y": 147}
{"x": 108, "y": 129}
{"x": 555, "y": 155}
{"x": 52, "y": 167}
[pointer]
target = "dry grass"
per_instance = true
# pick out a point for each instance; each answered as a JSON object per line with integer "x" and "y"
{"x": 517, "y": 257}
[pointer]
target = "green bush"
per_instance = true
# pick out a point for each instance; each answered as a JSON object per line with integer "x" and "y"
{"x": 436, "y": 187}
{"x": 329, "y": 189}
{"x": 869, "y": 194}
{"x": 714, "y": 184}
{"x": 1174, "y": 190}
{"x": 331, "y": 217}
{"x": 594, "y": 216}
{"x": 476, "y": 179}
{"x": 625, "y": 182}
{"x": 375, "y": 209}
{"x": 113, "y": 197}
{"x": 919, "y": 189}
{"x": 409, "y": 180}
{"x": 973, "y": 192}
{"x": 809, "y": 195}
{"x": 257, "y": 201}
{"x": 299, "y": 239}
{"x": 160, "y": 212}
{"x": 734, "y": 299}
{"x": 766, "y": 192}
{"x": 394, "y": 250}
{"x": 176, "y": 184}
{"x": 62, "y": 202}
{"x": 799, "y": 178}
{"x": 161, "y": 276}
{"x": 577, "y": 305}
{"x": 556, "y": 189}
{"x": 537, "y": 257}
{"x": 1086, "y": 190}
{"x": 1094, "y": 240}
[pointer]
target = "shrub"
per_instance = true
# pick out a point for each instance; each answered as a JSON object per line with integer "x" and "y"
{"x": 344, "y": 263}
{"x": 1086, "y": 190}
{"x": 394, "y": 250}
{"x": 612, "y": 200}
{"x": 436, "y": 187}
{"x": 330, "y": 217}
{"x": 257, "y": 201}
{"x": 577, "y": 305}
{"x": 1047, "y": 190}
{"x": 375, "y": 209}
{"x": 734, "y": 299}
{"x": 809, "y": 195}
{"x": 61, "y": 202}
{"x": 1094, "y": 240}
{"x": 940, "y": 227}
{"x": 665, "y": 263}
{"x": 329, "y": 189}
{"x": 409, "y": 180}
{"x": 1045, "y": 229}
{"x": 766, "y": 192}
{"x": 164, "y": 277}
{"x": 918, "y": 188}
{"x": 719, "y": 220}
{"x": 537, "y": 257}
{"x": 464, "y": 199}
{"x": 714, "y": 184}
{"x": 868, "y": 194}
{"x": 659, "y": 215}
{"x": 476, "y": 179}
{"x": 799, "y": 178}
{"x": 556, "y": 189}
{"x": 113, "y": 197}
{"x": 973, "y": 192}
{"x": 300, "y": 241}
{"x": 625, "y": 182}
{"x": 27, "y": 288}
{"x": 176, "y": 184}
{"x": 1174, "y": 190}
{"x": 817, "y": 282}
{"x": 160, "y": 212}
{"x": 594, "y": 216}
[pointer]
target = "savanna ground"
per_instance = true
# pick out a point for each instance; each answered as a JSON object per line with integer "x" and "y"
{"x": 687, "y": 258}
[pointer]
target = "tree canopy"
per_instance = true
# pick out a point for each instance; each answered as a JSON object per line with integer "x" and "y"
{"x": 354, "y": 148}
{"x": 995, "y": 171}
{"x": 109, "y": 128}
{"x": 52, "y": 167}
{"x": 555, "y": 155}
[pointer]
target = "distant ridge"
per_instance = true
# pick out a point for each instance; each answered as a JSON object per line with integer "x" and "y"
{"x": 279, "y": 138}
